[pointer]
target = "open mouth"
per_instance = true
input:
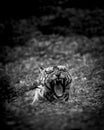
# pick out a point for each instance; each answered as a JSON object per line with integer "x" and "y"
{"x": 56, "y": 83}
{"x": 58, "y": 87}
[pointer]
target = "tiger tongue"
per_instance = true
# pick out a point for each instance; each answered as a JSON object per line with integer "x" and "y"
{"x": 58, "y": 90}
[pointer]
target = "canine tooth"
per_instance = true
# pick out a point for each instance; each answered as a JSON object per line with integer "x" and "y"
{"x": 55, "y": 82}
{"x": 62, "y": 81}
{"x": 48, "y": 84}
{"x": 54, "y": 77}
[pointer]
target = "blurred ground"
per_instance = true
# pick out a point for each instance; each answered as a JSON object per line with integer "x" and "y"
{"x": 70, "y": 36}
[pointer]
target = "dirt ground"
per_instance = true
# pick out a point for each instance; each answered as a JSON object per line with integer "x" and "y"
{"x": 84, "y": 57}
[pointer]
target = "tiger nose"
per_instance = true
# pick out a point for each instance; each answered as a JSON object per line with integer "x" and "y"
{"x": 58, "y": 74}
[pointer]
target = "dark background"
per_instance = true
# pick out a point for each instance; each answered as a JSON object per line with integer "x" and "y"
{"x": 23, "y": 9}
{"x": 12, "y": 12}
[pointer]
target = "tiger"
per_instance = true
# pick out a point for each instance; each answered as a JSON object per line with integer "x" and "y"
{"x": 53, "y": 84}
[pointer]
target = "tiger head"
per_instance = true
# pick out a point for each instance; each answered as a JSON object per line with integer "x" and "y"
{"x": 56, "y": 82}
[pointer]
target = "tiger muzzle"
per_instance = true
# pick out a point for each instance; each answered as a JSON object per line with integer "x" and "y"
{"x": 58, "y": 87}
